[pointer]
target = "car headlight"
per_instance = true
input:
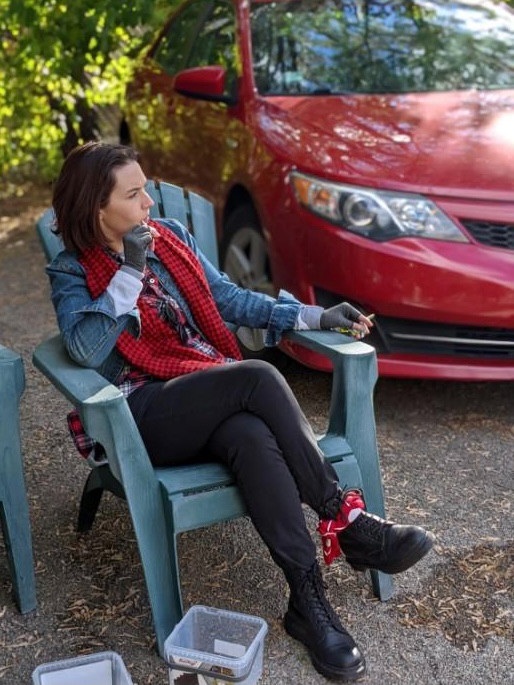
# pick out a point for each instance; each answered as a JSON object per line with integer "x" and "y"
{"x": 375, "y": 214}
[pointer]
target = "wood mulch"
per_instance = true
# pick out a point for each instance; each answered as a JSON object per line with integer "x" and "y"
{"x": 466, "y": 597}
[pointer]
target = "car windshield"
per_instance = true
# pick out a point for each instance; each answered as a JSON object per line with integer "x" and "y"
{"x": 318, "y": 47}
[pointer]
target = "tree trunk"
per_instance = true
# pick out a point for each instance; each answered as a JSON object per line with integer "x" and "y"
{"x": 88, "y": 126}
{"x": 88, "y": 122}
{"x": 71, "y": 139}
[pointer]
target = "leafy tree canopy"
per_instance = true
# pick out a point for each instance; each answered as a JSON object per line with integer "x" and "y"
{"x": 59, "y": 61}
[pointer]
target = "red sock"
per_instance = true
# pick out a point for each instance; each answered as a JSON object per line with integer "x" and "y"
{"x": 329, "y": 528}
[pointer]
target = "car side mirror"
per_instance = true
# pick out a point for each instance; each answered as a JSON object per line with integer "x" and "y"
{"x": 204, "y": 83}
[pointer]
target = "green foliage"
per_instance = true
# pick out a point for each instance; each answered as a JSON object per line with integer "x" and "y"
{"x": 59, "y": 61}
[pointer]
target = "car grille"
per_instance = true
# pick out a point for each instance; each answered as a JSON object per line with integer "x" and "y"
{"x": 494, "y": 235}
{"x": 421, "y": 337}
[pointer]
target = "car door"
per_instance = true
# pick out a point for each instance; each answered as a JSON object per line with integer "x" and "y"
{"x": 213, "y": 131}
{"x": 151, "y": 110}
{"x": 181, "y": 139}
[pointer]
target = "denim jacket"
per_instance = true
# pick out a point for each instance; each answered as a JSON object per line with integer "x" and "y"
{"x": 90, "y": 328}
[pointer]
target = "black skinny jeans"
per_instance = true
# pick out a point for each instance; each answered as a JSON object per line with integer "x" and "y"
{"x": 245, "y": 415}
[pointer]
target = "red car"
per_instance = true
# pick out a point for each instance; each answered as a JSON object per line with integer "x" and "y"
{"x": 359, "y": 151}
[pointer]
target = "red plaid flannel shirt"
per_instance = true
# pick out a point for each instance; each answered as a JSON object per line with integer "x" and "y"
{"x": 131, "y": 378}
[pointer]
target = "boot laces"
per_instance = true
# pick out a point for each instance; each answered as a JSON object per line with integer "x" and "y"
{"x": 370, "y": 525}
{"x": 313, "y": 589}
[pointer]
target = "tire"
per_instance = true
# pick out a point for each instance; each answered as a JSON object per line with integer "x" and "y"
{"x": 244, "y": 258}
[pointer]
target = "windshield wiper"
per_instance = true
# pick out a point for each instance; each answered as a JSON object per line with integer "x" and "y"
{"x": 329, "y": 91}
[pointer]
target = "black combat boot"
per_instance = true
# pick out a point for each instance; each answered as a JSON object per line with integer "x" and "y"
{"x": 372, "y": 543}
{"x": 311, "y": 620}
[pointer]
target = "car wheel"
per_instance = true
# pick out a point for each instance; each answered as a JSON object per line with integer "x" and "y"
{"x": 244, "y": 258}
{"x": 244, "y": 255}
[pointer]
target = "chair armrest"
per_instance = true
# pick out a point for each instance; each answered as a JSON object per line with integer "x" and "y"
{"x": 103, "y": 409}
{"x": 329, "y": 343}
{"x": 354, "y": 377}
{"x": 78, "y": 384}
{"x": 351, "y": 407}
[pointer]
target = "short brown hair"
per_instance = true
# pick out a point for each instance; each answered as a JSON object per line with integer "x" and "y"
{"x": 83, "y": 187}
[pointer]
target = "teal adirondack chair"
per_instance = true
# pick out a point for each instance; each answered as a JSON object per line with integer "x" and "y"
{"x": 164, "y": 502}
{"x": 14, "y": 510}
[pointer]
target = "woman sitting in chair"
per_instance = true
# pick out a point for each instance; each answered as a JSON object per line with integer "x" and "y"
{"x": 136, "y": 300}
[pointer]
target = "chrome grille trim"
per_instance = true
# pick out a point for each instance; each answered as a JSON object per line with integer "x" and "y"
{"x": 445, "y": 339}
{"x": 413, "y": 336}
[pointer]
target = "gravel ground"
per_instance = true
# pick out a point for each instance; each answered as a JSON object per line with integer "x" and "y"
{"x": 446, "y": 451}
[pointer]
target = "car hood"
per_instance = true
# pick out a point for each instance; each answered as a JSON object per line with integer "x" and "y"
{"x": 458, "y": 143}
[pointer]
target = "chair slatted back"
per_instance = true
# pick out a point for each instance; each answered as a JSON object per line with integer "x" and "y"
{"x": 172, "y": 202}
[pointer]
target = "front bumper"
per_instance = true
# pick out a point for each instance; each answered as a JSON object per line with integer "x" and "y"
{"x": 433, "y": 350}
{"x": 444, "y": 368}
{"x": 443, "y": 310}
{"x": 419, "y": 366}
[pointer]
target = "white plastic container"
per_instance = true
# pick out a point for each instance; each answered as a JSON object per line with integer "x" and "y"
{"x": 213, "y": 646}
{"x": 103, "y": 668}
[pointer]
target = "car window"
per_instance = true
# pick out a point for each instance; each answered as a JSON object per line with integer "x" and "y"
{"x": 372, "y": 46}
{"x": 175, "y": 45}
{"x": 215, "y": 43}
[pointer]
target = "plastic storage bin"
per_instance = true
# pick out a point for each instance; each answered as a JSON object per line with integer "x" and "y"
{"x": 103, "y": 668}
{"x": 213, "y": 646}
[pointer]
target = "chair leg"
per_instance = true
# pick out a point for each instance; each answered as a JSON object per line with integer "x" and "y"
{"x": 99, "y": 479}
{"x": 164, "y": 589}
{"x": 382, "y": 583}
{"x": 16, "y": 528}
{"x": 173, "y": 596}
{"x": 90, "y": 501}
{"x": 14, "y": 509}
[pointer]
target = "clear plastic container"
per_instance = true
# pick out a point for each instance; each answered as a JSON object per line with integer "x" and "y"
{"x": 218, "y": 646}
{"x": 103, "y": 668}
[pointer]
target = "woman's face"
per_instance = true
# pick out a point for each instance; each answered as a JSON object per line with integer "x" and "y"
{"x": 128, "y": 205}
